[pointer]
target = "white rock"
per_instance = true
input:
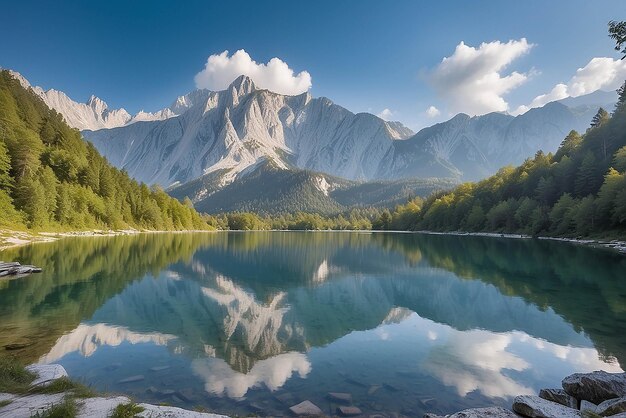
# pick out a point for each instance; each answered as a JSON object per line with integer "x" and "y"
{"x": 28, "y": 406}
{"x": 536, "y": 407}
{"x": 99, "y": 407}
{"x": 46, "y": 373}
{"x": 153, "y": 411}
{"x": 491, "y": 412}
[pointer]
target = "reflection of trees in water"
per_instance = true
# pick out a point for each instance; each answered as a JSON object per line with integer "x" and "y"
{"x": 79, "y": 276}
{"x": 584, "y": 285}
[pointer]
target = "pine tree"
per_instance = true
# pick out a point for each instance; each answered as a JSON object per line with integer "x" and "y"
{"x": 617, "y": 32}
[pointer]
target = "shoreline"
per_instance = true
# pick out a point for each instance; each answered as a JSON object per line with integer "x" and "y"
{"x": 12, "y": 239}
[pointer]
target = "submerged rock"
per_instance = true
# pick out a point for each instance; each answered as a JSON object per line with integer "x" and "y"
{"x": 596, "y": 387}
{"x": 306, "y": 408}
{"x": 349, "y": 411}
{"x": 612, "y": 407}
{"x": 536, "y": 407}
{"x": 131, "y": 379}
{"x": 559, "y": 396}
{"x": 340, "y": 397}
{"x": 492, "y": 412}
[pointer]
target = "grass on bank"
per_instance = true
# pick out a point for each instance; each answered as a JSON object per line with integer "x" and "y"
{"x": 126, "y": 410}
{"x": 14, "y": 378}
{"x": 65, "y": 384}
{"x": 65, "y": 409}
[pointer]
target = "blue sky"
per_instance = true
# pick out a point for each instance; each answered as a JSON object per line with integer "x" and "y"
{"x": 364, "y": 55}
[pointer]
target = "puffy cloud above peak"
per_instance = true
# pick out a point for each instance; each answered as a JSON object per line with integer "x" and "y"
{"x": 599, "y": 74}
{"x": 386, "y": 114}
{"x": 472, "y": 81}
{"x": 221, "y": 69}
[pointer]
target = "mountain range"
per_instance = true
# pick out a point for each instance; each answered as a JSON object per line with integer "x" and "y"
{"x": 208, "y": 142}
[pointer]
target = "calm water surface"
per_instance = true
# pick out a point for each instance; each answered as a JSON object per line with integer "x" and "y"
{"x": 242, "y": 323}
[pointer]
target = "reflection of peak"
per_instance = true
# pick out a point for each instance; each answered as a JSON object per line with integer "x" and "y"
{"x": 397, "y": 315}
{"x": 257, "y": 323}
{"x": 86, "y": 339}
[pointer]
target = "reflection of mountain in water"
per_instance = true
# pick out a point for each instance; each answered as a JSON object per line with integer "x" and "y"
{"x": 247, "y": 297}
{"x": 203, "y": 308}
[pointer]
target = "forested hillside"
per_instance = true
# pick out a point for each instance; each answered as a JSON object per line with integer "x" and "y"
{"x": 578, "y": 191}
{"x": 50, "y": 178}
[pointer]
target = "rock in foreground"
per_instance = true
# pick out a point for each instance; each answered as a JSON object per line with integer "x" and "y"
{"x": 493, "y": 412}
{"x": 536, "y": 407}
{"x": 612, "y": 407}
{"x": 596, "y": 387}
{"x": 559, "y": 396}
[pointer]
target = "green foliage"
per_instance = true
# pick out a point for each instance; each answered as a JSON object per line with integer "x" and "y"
{"x": 65, "y": 409}
{"x": 14, "y": 378}
{"x": 617, "y": 32}
{"x": 63, "y": 385}
{"x": 126, "y": 410}
{"x": 50, "y": 178}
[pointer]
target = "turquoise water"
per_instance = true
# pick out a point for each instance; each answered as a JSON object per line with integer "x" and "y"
{"x": 255, "y": 322}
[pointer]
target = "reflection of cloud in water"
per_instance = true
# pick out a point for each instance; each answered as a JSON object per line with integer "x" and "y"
{"x": 86, "y": 339}
{"x": 479, "y": 360}
{"x": 273, "y": 372}
{"x": 475, "y": 360}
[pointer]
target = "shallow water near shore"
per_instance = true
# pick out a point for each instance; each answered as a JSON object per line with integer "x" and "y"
{"x": 255, "y": 322}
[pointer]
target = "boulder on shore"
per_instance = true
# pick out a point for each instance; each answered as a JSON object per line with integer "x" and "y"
{"x": 596, "y": 387}
{"x": 536, "y": 407}
{"x": 559, "y": 396}
{"x": 612, "y": 407}
{"x": 492, "y": 412}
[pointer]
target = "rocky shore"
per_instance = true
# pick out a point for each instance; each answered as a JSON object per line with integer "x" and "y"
{"x": 591, "y": 395}
{"x": 587, "y": 395}
{"x": 37, "y": 404}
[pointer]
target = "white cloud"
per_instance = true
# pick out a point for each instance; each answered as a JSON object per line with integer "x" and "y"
{"x": 386, "y": 114}
{"x": 220, "y": 379}
{"x": 432, "y": 112}
{"x": 599, "y": 74}
{"x": 471, "y": 79}
{"x": 220, "y": 70}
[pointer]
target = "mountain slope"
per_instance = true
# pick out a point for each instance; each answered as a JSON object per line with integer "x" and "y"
{"x": 238, "y": 127}
{"x": 51, "y": 178}
{"x": 270, "y": 189}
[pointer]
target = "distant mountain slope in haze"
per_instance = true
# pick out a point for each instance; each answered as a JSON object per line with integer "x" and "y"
{"x": 93, "y": 114}
{"x": 473, "y": 148}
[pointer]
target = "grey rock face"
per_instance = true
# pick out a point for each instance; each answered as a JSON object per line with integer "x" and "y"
{"x": 559, "y": 396}
{"x": 536, "y": 407}
{"x": 596, "y": 387}
{"x": 492, "y": 412}
{"x": 612, "y": 407}
{"x": 587, "y": 406}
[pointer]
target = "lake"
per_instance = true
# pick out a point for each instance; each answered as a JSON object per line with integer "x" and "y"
{"x": 254, "y": 322}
